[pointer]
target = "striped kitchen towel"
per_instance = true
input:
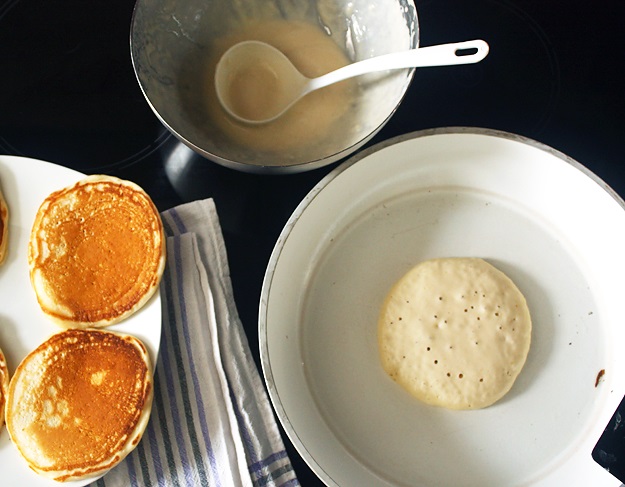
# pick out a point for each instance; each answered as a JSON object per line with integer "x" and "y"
{"x": 212, "y": 423}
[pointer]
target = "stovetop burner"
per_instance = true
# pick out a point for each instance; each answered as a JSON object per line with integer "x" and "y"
{"x": 70, "y": 98}
{"x": 522, "y": 69}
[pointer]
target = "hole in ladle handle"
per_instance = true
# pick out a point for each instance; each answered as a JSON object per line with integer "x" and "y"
{"x": 470, "y": 51}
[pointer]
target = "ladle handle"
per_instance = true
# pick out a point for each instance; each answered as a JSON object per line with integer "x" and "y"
{"x": 466, "y": 52}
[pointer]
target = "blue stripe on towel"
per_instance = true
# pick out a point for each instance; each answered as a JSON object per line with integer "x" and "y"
{"x": 245, "y": 435}
{"x": 290, "y": 483}
{"x": 184, "y": 390}
{"x": 162, "y": 372}
{"x": 256, "y": 467}
{"x": 171, "y": 393}
{"x": 194, "y": 378}
{"x": 143, "y": 463}
{"x": 131, "y": 473}
{"x": 178, "y": 221}
{"x": 151, "y": 436}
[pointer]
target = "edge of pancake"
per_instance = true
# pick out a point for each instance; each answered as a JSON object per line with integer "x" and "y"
{"x": 430, "y": 389}
{"x": 4, "y": 227}
{"x": 83, "y": 471}
{"x": 68, "y": 319}
{"x": 4, "y": 386}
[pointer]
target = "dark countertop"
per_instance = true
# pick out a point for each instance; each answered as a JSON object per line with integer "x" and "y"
{"x": 68, "y": 95}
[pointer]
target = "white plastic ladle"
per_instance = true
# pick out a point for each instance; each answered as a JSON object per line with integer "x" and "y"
{"x": 256, "y": 83}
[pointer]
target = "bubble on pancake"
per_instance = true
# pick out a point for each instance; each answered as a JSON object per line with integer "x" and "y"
{"x": 455, "y": 333}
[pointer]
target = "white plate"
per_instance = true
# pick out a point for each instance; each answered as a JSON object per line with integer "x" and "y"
{"x": 25, "y": 184}
{"x": 546, "y": 221}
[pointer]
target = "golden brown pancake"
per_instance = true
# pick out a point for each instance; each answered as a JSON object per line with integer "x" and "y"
{"x": 79, "y": 403}
{"x": 4, "y": 227}
{"x": 4, "y": 385}
{"x": 96, "y": 252}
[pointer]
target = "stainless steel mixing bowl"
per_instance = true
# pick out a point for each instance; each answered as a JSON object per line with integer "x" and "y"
{"x": 174, "y": 42}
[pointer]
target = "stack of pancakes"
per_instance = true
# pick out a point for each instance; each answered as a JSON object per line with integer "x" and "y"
{"x": 79, "y": 403}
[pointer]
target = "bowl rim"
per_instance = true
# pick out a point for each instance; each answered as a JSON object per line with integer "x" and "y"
{"x": 262, "y": 168}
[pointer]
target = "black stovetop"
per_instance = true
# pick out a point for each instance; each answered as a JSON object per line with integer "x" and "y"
{"x": 68, "y": 95}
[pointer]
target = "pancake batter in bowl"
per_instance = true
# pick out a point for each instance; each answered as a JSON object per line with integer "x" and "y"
{"x": 313, "y": 119}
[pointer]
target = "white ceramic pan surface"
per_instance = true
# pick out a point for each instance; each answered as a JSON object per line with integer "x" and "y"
{"x": 546, "y": 221}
